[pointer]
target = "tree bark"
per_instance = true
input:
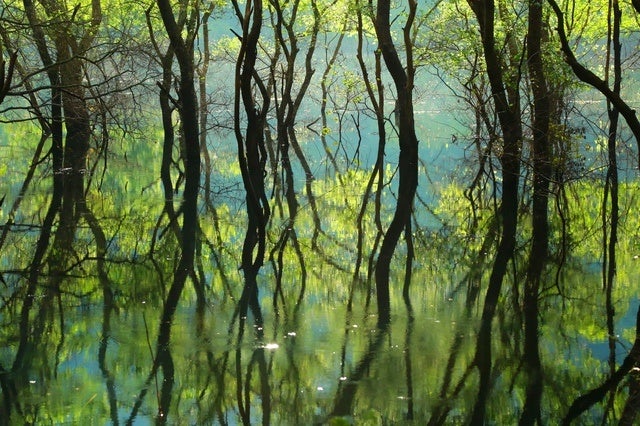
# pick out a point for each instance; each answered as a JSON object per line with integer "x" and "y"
{"x": 6, "y": 73}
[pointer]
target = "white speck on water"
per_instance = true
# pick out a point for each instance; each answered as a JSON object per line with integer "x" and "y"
{"x": 271, "y": 346}
{"x": 33, "y": 382}
{"x": 319, "y": 388}
{"x": 291, "y": 333}
{"x": 343, "y": 378}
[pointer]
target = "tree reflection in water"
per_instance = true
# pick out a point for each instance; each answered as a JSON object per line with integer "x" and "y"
{"x": 131, "y": 301}
{"x": 247, "y": 360}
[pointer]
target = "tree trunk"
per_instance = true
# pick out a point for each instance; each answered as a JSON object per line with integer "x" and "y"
{"x": 251, "y": 147}
{"x": 509, "y": 119}
{"x": 541, "y": 180}
{"x": 183, "y": 50}
{"x": 408, "y": 141}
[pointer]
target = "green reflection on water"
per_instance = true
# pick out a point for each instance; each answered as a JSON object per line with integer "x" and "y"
{"x": 307, "y": 371}
{"x": 84, "y": 359}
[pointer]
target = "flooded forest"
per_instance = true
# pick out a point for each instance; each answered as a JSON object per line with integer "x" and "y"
{"x": 329, "y": 212}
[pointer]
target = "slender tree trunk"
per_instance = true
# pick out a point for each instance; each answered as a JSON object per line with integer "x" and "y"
{"x": 587, "y": 76}
{"x": 6, "y": 72}
{"x": 168, "y": 141}
{"x": 54, "y": 74}
{"x": 509, "y": 119}
{"x": 541, "y": 151}
{"x": 611, "y": 189}
{"x": 183, "y": 50}
{"x": 56, "y": 119}
{"x": 202, "y": 87}
{"x": 251, "y": 147}
{"x": 376, "y": 97}
{"x": 408, "y": 141}
{"x": 188, "y": 109}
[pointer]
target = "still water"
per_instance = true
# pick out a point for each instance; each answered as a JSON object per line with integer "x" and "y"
{"x": 297, "y": 364}
{"x": 83, "y": 340}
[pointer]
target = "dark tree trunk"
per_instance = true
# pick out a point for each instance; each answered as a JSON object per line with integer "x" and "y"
{"x": 541, "y": 152}
{"x": 251, "y": 148}
{"x": 611, "y": 189}
{"x": 202, "y": 87}
{"x": 376, "y": 97}
{"x": 408, "y": 141}
{"x": 508, "y": 111}
{"x": 183, "y": 50}
{"x": 168, "y": 140}
{"x": 53, "y": 74}
{"x": 188, "y": 109}
{"x": 6, "y": 72}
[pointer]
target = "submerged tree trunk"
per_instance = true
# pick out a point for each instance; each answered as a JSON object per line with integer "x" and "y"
{"x": 611, "y": 190}
{"x": 408, "y": 141}
{"x": 183, "y": 50}
{"x": 508, "y": 111}
{"x": 541, "y": 151}
{"x": 188, "y": 109}
{"x": 252, "y": 154}
{"x": 376, "y": 97}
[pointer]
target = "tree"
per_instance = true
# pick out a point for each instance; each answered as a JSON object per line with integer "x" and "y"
{"x": 541, "y": 153}
{"x": 251, "y": 148}
{"x": 289, "y": 95}
{"x": 182, "y": 47}
{"x": 408, "y": 141}
{"x": 507, "y": 107}
{"x": 587, "y": 76}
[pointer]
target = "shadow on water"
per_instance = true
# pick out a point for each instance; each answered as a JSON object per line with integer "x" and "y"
{"x": 29, "y": 331}
{"x": 244, "y": 382}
